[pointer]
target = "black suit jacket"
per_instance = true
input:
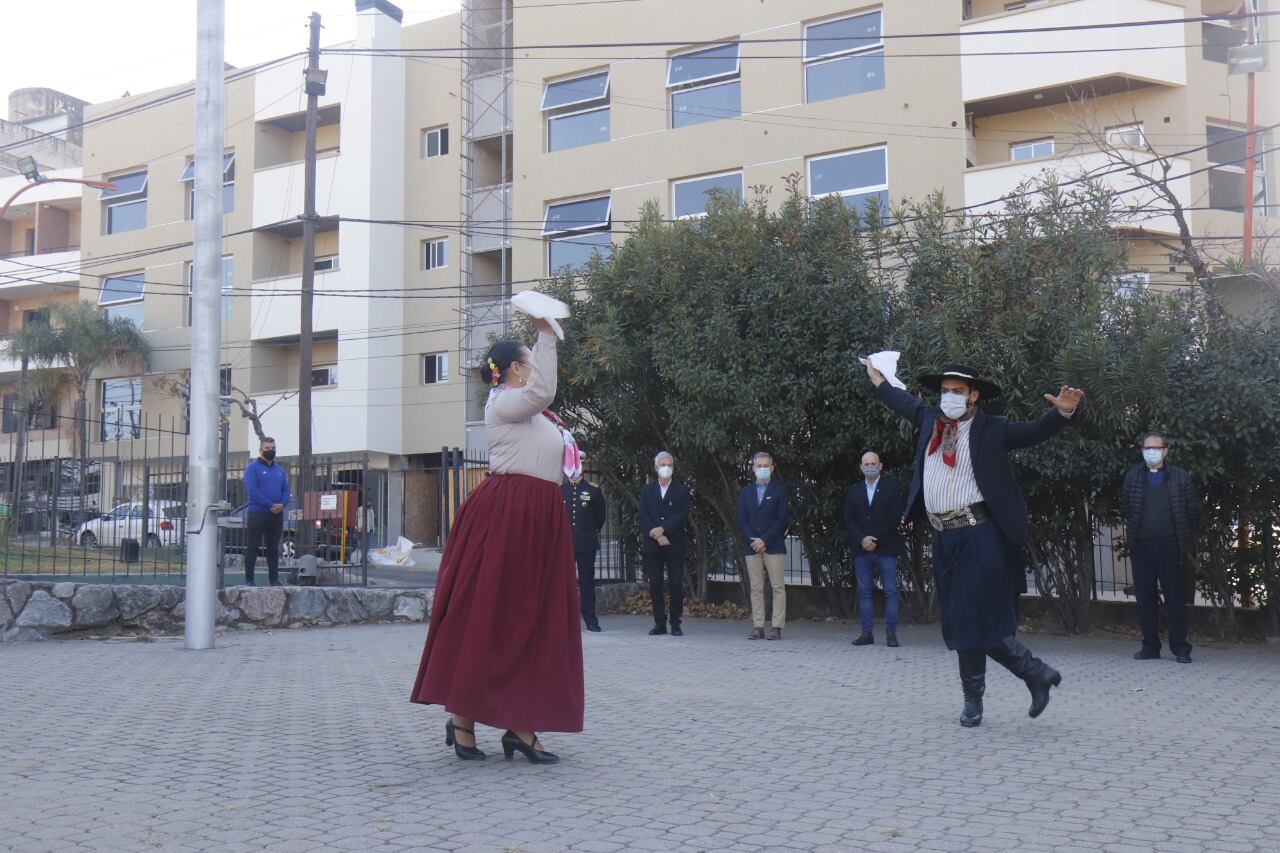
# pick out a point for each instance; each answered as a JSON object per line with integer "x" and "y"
{"x": 990, "y": 439}
{"x": 587, "y": 513}
{"x": 880, "y": 518}
{"x": 670, "y": 513}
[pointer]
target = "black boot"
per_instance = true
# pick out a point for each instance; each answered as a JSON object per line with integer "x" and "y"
{"x": 973, "y": 679}
{"x": 1037, "y": 674}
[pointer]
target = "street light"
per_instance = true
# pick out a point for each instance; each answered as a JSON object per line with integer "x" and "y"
{"x": 29, "y": 168}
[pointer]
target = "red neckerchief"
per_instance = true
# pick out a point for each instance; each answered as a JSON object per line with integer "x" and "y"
{"x": 554, "y": 418}
{"x": 946, "y": 433}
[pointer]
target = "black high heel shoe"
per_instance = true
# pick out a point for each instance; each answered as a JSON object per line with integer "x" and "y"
{"x": 466, "y": 753}
{"x": 511, "y": 742}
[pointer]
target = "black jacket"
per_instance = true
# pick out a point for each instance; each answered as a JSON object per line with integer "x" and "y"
{"x": 587, "y": 513}
{"x": 880, "y": 518}
{"x": 765, "y": 519}
{"x": 1183, "y": 500}
{"x": 670, "y": 513}
{"x": 990, "y": 439}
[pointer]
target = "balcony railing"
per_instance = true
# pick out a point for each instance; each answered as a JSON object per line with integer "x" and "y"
{"x": 1051, "y": 66}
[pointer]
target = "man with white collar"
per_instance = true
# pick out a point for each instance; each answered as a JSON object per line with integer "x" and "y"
{"x": 1160, "y": 509}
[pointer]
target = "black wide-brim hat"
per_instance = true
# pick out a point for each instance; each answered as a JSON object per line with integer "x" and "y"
{"x": 986, "y": 390}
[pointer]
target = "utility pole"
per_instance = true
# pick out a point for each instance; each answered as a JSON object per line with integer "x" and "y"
{"x": 206, "y": 329}
{"x": 314, "y": 80}
{"x": 1251, "y": 141}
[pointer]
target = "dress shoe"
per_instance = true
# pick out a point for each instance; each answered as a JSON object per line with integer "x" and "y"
{"x": 656, "y": 632}
{"x": 774, "y": 634}
{"x": 276, "y": 583}
{"x": 532, "y": 751}
{"x": 595, "y": 629}
{"x": 1146, "y": 654}
{"x": 864, "y": 639}
{"x": 676, "y": 632}
{"x": 756, "y": 634}
{"x": 466, "y": 753}
{"x": 891, "y": 641}
{"x": 1184, "y": 658}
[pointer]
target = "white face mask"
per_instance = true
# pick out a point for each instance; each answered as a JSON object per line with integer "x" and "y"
{"x": 762, "y": 474}
{"x": 665, "y": 472}
{"x": 954, "y": 404}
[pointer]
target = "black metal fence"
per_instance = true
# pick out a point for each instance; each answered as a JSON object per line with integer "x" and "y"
{"x": 105, "y": 501}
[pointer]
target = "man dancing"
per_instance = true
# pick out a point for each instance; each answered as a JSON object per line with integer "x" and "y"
{"x": 964, "y": 486}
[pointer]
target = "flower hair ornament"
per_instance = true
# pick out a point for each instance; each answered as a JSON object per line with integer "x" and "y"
{"x": 495, "y": 375}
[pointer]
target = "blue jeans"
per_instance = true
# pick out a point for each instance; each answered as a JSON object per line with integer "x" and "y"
{"x": 866, "y": 566}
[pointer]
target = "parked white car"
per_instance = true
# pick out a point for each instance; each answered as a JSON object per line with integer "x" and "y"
{"x": 166, "y": 524}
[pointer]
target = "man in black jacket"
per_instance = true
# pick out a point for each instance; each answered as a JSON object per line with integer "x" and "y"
{"x": 1160, "y": 508}
{"x": 587, "y": 513}
{"x": 964, "y": 487}
{"x": 664, "y": 511}
{"x": 872, "y": 513}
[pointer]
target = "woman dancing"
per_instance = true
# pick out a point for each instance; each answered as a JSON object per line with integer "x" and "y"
{"x": 504, "y": 647}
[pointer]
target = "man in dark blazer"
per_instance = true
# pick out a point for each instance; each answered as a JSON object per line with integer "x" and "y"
{"x": 1160, "y": 508}
{"x": 587, "y": 513}
{"x": 872, "y": 513}
{"x": 964, "y": 487}
{"x": 762, "y": 522}
{"x": 664, "y": 512}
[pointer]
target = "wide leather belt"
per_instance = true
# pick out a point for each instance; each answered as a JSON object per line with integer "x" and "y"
{"x": 969, "y": 516}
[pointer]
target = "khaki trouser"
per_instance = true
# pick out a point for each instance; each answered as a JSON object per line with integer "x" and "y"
{"x": 775, "y": 565}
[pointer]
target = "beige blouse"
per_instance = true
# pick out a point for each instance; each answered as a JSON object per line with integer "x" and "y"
{"x": 521, "y": 439}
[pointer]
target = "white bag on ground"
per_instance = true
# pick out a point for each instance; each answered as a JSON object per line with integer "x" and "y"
{"x": 399, "y": 554}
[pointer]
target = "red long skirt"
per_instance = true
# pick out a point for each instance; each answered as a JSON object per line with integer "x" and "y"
{"x": 504, "y": 646}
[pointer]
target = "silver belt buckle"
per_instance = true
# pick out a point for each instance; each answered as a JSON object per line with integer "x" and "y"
{"x": 935, "y": 522}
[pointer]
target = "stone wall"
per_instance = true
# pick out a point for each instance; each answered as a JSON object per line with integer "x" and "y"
{"x": 34, "y": 610}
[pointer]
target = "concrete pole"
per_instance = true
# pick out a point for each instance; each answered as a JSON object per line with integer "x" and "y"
{"x": 206, "y": 329}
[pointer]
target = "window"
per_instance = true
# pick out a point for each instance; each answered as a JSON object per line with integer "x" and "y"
{"x": 224, "y": 380}
{"x": 228, "y": 272}
{"x": 121, "y": 296}
{"x": 689, "y": 198}
{"x": 325, "y": 376}
{"x": 325, "y": 263}
{"x": 860, "y": 178}
{"x": 40, "y": 415}
{"x": 435, "y": 253}
{"x": 577, "y": 231}
{"x": 435, "y": 142}
{"x": 126, "y": 205}
{"x": 843, "y": 57}
{"x": 1132, "y": 283}
{"x": 577, "y": 111}
{"x": 1226, "y": 154}
{"x": 1218, "y": 37}
{"x": 1024, "y": 4}
{"x": 228, "y": 184}
{"x": 1127, "y": 136}
{"x": 435, "y": 368}
{"x": 1031, "y": 150}
{"x": 704, "y": 85}
{"x": 35, "y": 315}
{"x": 121, "y": 409}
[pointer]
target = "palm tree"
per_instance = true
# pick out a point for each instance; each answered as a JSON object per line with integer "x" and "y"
{"x": 78, "y": 339}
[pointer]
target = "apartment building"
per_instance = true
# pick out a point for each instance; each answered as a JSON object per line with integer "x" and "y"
{"x": 873, "y": 102}
{"x": 461, "y": 159}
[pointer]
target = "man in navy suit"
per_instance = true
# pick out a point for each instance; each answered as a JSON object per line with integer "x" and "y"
{"x": 872, "y": 513}
{"x": 964, "y": 486}
{"x": 664, "y": 512}
{"x": 762, "y": 521}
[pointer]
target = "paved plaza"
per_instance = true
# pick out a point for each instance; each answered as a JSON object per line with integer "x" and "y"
{"x": 304, "y": 741}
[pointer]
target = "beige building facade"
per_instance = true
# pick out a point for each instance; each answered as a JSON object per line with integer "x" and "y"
{"x": 473, "y": 155}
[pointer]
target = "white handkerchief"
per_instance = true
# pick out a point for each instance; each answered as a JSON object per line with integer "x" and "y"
{"x": 544, "y": 307}
{"x": 886, "y": 362}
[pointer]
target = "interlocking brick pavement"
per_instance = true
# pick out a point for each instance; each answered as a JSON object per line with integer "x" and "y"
{"x": 304, "y": 741}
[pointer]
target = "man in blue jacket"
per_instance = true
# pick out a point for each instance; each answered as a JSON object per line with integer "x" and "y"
{"x": 872, "y": 513}
{"x": 268, "y": 489}
{"x": 762, "y": 521}
{"x": 964, "y": 486}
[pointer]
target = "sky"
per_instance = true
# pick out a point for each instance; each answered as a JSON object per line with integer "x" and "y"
{"x": 97, "y": 50}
